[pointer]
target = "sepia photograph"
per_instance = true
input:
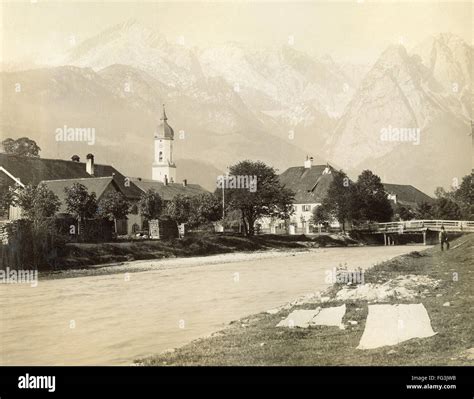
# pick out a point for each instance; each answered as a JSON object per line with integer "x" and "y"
{"x": 187, "y": 184}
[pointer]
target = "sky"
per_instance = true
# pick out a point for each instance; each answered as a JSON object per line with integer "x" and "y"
{"x": 354, "y": 31}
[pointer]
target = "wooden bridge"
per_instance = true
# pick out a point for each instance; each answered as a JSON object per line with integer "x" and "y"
{"x": 416, "y": 227}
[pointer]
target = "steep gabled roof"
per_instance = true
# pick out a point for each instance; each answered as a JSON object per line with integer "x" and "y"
{"x": 96, "y": 185}
{"x": 34, "y": 170}
{"x": 310, "y": 185}
{"x": 169, "y": 191}
{"x": 126, "y": 185}
{"x": 407, "y": 194}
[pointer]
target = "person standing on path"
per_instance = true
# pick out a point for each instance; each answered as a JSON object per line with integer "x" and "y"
{"x": 443, "y": 238}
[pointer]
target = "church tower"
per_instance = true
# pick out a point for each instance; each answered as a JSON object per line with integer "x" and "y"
{"x": 164, "y": 169}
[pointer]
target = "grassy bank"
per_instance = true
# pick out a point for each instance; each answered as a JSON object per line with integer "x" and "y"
{"x": 256, "y": 341}
{"x": 76, "y": 256}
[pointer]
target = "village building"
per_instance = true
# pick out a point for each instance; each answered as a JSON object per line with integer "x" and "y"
{"x": 57, "y": 174}
{"x": 310, "y": 184}
{"x": 406, "y": 195}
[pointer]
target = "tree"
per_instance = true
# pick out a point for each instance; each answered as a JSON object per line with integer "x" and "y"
{"x": 338, "y": 202}
{"x": 440, "y": 192}
{"x": 266, "y": 197}
{"x": 447, "y": 209}
{"x": 371, "y": 199}
{"x": 404, "y": 213}
{"x": 6, "y": 199}
{"x": 459, "y": 201}
{"x": 464, "y": 196}
{"x": 80, "y": 203}
{"x": 150, "y": 205}
{"x": 23, "y": 146}
{"x": 114, "y": 206}
{"x": 321, "y": 215}
{"x": 206, "y": 208}
{"x": 180, "y": 209}
{"x": 425, "y": 211}
{"x": 38, "y": 205}
{"x": 37, "y": 202}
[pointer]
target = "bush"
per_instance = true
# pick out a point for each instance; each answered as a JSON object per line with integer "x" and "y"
{"x": 31, "y": 246}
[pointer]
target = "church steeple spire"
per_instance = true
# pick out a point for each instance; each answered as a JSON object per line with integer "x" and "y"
{"x": 164, "y": 168}
{"x": 164, "y": 117}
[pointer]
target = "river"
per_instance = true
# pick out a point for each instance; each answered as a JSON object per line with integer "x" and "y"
{"x": 113, "y": 319}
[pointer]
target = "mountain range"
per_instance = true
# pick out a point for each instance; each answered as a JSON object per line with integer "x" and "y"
{"x": 234, "y": 101}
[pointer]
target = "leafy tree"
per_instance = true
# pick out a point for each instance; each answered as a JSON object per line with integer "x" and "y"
{"x": 338, "y": 202}
{"x": 38, "y": 205}
{"x": 6, "y": 199}
{"x": 150, "y": 205}
{"x": 180, "y": 209}
{"x": 267, "y": 198}
{"x": 37, "y": 202}
{"x": 371, "y": 199}
{"x": 404, "y": 213}
{"x": 464, "y": 196}
{"x": 80, "y": 203}
{"x": 457, "y": 203}
{"x": 447, "y": 209}
{"x": 425, "y": 211}
{"x": 206, "y": 208}
{"x": 114, "y": 206}
{"x": 22, "y": 146}
{"x": 465, "y": 192}
{"x": 320, "y": 215}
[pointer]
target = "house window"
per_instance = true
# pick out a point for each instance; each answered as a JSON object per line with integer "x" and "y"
{"x": 306, "y": 208}
{"x": 295, "y": 208}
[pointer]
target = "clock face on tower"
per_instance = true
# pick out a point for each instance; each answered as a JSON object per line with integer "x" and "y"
{"x": 160, "y": 145}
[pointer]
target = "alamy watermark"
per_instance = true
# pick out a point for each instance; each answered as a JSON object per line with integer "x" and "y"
{"x": 401, "y": 134}
{"x": 76, "y": 134}
{"x": 237, "y": 181}
{"x": 24, "y": 276}
{"x": 342, "y": 276}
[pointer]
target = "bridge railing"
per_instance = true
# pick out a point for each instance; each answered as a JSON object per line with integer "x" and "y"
{"x": 412, "y": 225}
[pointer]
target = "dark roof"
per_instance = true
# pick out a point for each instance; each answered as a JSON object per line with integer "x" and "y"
{"x": 95, "y": 185}
{"x": 128, "y": 188}
{"x": 310, "y": 185}
{"x": 169, "y": 191}
{"x": 34, "y": 170}
{"x": 407, "y": 194}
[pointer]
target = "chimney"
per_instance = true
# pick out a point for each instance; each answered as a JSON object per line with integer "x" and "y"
{"x": 166, "y": 180}
{"x": 185, "y": 183}
{"x": 90, "y": 164}
{"x": 308, "y": 163}
{"x": 75, "y": 158}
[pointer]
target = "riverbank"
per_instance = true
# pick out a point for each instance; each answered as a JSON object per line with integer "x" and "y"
{"x": 444, "y": 287}
{"x": 126, "y": 314}
{"x": 102, "y": 258}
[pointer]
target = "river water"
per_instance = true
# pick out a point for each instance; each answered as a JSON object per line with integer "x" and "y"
{"x": 115, "y": 318}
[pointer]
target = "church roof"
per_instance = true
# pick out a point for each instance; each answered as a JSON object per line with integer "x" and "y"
{"x": 168, "y": 191}
{"x": 164, "y": 130}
